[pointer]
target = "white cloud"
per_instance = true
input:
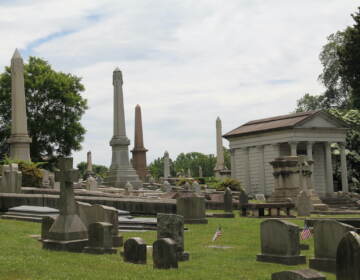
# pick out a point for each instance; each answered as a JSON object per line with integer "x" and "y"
{"x": 185, "y": 62}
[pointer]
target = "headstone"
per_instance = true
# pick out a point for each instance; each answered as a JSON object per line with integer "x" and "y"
{"x": 200, "y": 172}
{"x": 45, "y": 183}
{"x": 192, "y": 208}
{"x": 91, "y": 183}
{"x": 152, "y": 180}
{"x": 172, "y": 226}
{"x": 196, "y": 187}
{"x": 166, "y": 165}
{"x": 135, "y": 250}
{"x": 11, "y": 179}
{"x": 100, "y": 239}
{"x": 167, "y": 186}
{"x": 348, "y": 257}
{"x": 327, "y": 236}
{"x": 280, "y": 243}
{"x": 187, "y": 186}
{"x": 303, "y": 204}
{"x": 121, "y": 171}
{"x": 129, "y": 187}
{"x": 164, "y": 254}
{"x": 228, "y": 203}
{"x": 46, "y": 224}
{"x": 303, "y": 274}
{"x": 19, "y": 139}
{"x": 260, "y": 197}
{"x": 68, "y": 232}
{"x": 220, "y": 162}
{"x": 243, "y": 198}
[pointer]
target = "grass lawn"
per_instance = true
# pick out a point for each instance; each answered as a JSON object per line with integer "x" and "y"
{"x": 21, "y": 256}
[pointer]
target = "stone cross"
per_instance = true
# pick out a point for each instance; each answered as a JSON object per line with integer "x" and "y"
{"x": 67, "y": 176}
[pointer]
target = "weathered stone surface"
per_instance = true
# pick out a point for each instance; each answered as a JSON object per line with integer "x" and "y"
{"x": 100, "y": 239}
{"x": 46, "y": 224}
{"x": 303, "y": 274}
{"x": 166, "y": 165}
{"x": 228, "y": 202}
{"x": 327, "y": 236}
{"x": 164, "y": 254}
{"x": 192, "y": 208}
{"x": 172, "y": 226}
{"x": 196, "y": 187}
{"x": 260, "y": 197}
{"x": 91, "y": 183}
{"x": 280, "y": 243}
{"x": 220, "y": 162}
{"x": 348, "y": 257}
{"x": 11, "y": 179}
{"x": 167, "y": 187}
{"x": 243, "y": 198}
{"x": 303, "y": 204}
{"x": 135, "y": 250}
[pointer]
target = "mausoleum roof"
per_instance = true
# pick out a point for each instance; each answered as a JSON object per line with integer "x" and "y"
{"x": 279, "y": 122}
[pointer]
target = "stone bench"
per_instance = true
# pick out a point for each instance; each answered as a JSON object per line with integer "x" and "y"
{"x": 274, "y": 209}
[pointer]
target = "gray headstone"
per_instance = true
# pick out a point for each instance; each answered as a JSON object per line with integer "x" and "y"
{"x": 327, "y": 236}
{"x": 196, "y": 187}
{"x": 243, "y": 198}
{"x": 228, "y": 203}
{"x": 348, "y": 257}
{"x": 187, "y": 186}
{"x": 135, "y": 250}
{"x": 260, "y": 196}
{"x": 167, "y": 186}
{"x": 100, "y": 239}
{"x": 303, "y": 204}
{"x": 46, "y": 224}
{"x": 11, "y": 179}
{"x": 164, "y": 254}
{"x": 303, "y": 274}
{"x": 172, "y": 226}
{"x": 192, "y": 208}
{"x": 280, "y": 243}
{"x": 91, "y": 183}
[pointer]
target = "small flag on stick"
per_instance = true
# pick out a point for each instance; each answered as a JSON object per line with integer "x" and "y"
{"x": 217, "y": 234}
{"x": 305, "y": 233}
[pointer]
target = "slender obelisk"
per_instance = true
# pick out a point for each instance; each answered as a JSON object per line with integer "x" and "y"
{"x": 19, "y": 140}
{"x": 166, "y": 165}
{"x": 120, "y": 171}
{"x": 139, "y": 151}
{"x": 219, "y": 150}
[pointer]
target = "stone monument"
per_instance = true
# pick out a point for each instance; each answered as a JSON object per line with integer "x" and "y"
{"x": 135, "y": 250}
{"x": 68, "y": 232}
{"x": 120, "y": 169}
{"x": 166, "y": 165}
{"x": 139, "y": 151}
{"x": 11, "y": 179}
{"x": 164, "y": 254}
{"x": 19, "y": 139}
{"x": 303, "y": 204}
{"x": 220, "y": 163}
{"x": 192, "y": 207}
{"x": 100, "y": 239}
{"x": 348, "y": 257}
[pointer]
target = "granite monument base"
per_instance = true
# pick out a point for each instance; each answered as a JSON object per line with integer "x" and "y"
{"x": 323, "y": 264}
{"x": 70, "y": 245}
{"x": 99, "y": 250}
{"x": 287, "y": 260}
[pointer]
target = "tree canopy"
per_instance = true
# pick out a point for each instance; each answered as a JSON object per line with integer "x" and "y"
{"x": 54, "y": 109}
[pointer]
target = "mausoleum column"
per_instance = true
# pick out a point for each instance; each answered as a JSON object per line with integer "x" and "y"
{"x": 329, "y": 169}
{"x": 261, "y": 169}
{"x": 309, "y": 154}
{"x": 247, "y": 169}
{"x": 344, "y": 175}
{"x": 293, "y": 148}
{"x": 233, "y": 163}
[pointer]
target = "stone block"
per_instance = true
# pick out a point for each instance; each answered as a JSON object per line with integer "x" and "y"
{"x": 192, "y": 208}
{"x": 304, "y": 205}
{"x": 303, "y": 274}
{"x": 135, "y": 250}
{"x": 348, "y": 257}
{"x": 100, "y": 239}
{"x": 164, "y": 254}
{"x": 228, "y": 201}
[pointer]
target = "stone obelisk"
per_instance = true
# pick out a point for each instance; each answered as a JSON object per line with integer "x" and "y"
{"x": 120, "y": 171}
{"x": 139, "y": 151}
{"x": 19, "y": 140}
{"x": 166, "y": 165}
{"x": 220, "y": 166}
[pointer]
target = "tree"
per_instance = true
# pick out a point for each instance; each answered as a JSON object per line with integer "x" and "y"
{"x": 99, "y": 170}
{"x": 54, "y": 109}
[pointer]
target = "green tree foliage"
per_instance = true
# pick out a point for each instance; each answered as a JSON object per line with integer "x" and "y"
{"x": 156, "y": 168}
{"x": 54, "y": 109}
{"x": 99, "y": 170}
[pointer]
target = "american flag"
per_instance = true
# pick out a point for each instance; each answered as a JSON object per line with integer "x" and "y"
{"x": 305, "y": 233}
{"x": 217, "y": 234}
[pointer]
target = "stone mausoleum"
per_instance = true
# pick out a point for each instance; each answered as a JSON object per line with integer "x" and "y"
{"x": 256, "y": 143}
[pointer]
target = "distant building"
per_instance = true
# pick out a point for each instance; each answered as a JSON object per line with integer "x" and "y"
{"x": 256, "y": 143}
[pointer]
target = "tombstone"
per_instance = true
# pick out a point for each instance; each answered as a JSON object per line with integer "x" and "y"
{"x": 167, "y": 186}
{"x": 228, "y": 203}
{"x": 135, "y": 250}
{"x": 303, "y": 204}
{"x": 91, "y": 183}
{"x": 303, "y": 274}
{"x": 327, "y": 236}
{"x": 45, "y": 182}
{"x": 11, "y": 178}
{"x": 192, "y": 208}
{"x": 260, "y": 196}
{"x": 172, "y": 226}
{"x": 129, "y": 187}
{"x": 46, "y": 224}
{"x": 164, "y": 254}
{"x": 152, "y": 180}
{"x": 196, "y": 187}
{"x": 243, "y": 198}
{"x": 100, "y": 239}
{"x": 187, "y": 186}
{"x": 200, "y": 172}
{"x": 68, "y": 232}
{"x": 280, "y": 243}
{"x": 348, "y": 257}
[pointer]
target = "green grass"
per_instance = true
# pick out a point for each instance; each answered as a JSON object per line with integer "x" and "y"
{"x": 21, "y": 256}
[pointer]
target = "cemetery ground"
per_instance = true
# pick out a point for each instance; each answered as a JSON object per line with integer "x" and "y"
{"x": 21, "y": 255}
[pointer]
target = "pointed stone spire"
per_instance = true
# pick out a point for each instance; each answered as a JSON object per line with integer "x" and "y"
{"x": 89, "y": 167}
{"x": 19, "y": 140}
{"x": 219, "y": 149}
{"x": 139, "y": 151}
{"x": 166, "y": 165}
{"x": 120, "y": 170}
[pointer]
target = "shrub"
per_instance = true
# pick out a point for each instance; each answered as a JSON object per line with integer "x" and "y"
{"x": 182, "y": 181}
{"x": 231, "y": 183}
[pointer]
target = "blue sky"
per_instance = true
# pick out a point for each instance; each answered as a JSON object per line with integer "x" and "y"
{"x": 185, "y": 62}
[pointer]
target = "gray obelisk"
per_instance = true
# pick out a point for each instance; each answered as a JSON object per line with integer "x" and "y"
{"x": 19, "y": 140}
{"x": 120, "y": 171}
{"x": 219, "y": 149}
{"x": 166, "y": 165}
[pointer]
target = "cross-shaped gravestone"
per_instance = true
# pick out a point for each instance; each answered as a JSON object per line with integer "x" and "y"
{"x": 67, "y": 176}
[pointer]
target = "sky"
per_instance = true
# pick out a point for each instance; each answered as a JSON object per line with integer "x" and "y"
{"x": 184, "y": 62}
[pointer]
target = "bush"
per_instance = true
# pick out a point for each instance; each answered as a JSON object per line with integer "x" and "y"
{"x": 233, "y": 184}
{"x": 182, "y": 181}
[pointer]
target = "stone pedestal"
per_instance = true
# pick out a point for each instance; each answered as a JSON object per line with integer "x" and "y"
{"x": 100, "y": 239}
{"x": 11, "y": 179}
{"x": 191, "y": 207}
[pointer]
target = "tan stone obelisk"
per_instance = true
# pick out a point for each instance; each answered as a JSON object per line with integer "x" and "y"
{"x": 19, "y": 140}
{"x": 139, "y": 151}
{"x": 120, "y": 171}
{"x": 220, "y": 165}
